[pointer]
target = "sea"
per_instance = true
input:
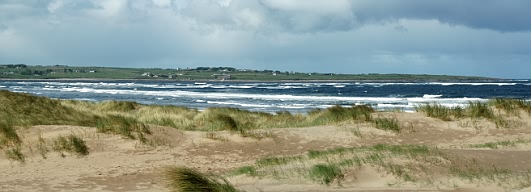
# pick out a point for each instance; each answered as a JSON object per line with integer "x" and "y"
{"x": 272, "y": 97}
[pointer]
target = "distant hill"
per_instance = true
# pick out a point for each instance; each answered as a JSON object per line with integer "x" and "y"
{"x": 22, "y": 71}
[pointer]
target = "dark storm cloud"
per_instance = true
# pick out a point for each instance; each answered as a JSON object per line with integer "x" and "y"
{"x": 505, "y": 15}
{"x": 311, "y": 15}
{"x": 344, "y": 15}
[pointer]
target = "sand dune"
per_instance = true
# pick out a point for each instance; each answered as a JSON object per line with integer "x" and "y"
{"x": 118, "y": 164}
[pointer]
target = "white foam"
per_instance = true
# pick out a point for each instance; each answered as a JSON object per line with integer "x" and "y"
{"x": 84, "y": 99}
{"x": 238, "y": 104}
{"x": 201, "y": 95}
{"x": 474, "y": 84}
{"x": 291, "y": 107}
{"x": 241, "y": 86}
{"x": 253, "y": 101}
{"x": 427, "y": 96}
{"x": 384, "y": 105}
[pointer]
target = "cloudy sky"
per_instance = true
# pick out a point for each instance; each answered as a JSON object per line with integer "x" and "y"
{"x": 458, "y": 37}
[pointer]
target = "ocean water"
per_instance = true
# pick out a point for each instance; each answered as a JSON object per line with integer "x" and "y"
{"x": 295, "y": 97}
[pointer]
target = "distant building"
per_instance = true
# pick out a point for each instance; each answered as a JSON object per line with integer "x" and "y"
{"x": 222, "y": 76}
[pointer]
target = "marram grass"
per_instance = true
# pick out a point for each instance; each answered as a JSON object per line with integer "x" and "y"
{"x": 407, "y": 163}
{"x": 495, "y": 110}
{"x": 23, "y": 110}
{"x": 72, "y": 144}
{"x": 183, "y": 179}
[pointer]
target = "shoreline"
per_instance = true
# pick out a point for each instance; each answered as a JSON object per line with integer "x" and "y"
{"x": 280, "y": 81}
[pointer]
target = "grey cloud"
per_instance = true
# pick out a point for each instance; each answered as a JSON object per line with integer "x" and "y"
{"x": 345, "y": 15}
{"x": 310, "y": 15}
{"x": 3, "y": 27}
{"x": 506, "y": 16}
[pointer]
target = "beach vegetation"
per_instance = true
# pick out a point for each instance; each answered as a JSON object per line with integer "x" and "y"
{"x": 407, "y": 163}
{"x": 477, "y": 109}
{"x": 180, "y": 179}
{"x": 132, "y": 120}
{"x": 15, "y": 154}
{"x": 386, "y": 123}
{"x": 246, "y": 170}
{"x": 8, "y": 134}
{"x": 435, "y": 110}
{"x": 118, "y": 106}
{"x": 24, "y": 110}
{"x": 491, "y": 110}
{"x": 72, "y": 144}
{"x": 325, "y": 173}
{"x": 498, "y": 144}
{"x": 42, "y": 147}
{"x": 511, "y": 106}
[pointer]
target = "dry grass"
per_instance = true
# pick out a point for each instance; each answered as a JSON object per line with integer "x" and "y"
{"x": 219, "y": 119}
{"x": 495, "y": 110}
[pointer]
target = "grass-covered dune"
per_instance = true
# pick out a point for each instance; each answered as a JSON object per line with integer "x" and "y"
{"x": 132, "y": 120}
{"x": 329, "y": 149}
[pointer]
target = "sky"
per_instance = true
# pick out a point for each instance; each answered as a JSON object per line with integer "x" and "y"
{"x": 455, "y": 37}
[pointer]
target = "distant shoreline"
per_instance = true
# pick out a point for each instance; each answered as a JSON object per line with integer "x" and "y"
{"x": 288, "y": 81}
{"x": 22, "y": 72}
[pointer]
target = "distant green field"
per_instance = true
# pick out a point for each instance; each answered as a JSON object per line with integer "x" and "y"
{"x": 21, "y": 71}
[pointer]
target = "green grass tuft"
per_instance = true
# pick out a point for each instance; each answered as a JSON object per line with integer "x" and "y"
{"x": 71, "y": 144}
{"x": 480, "y": 109}
{"x": 118, "y": 106}
{"x": 224, "y": 122}
{"x": 180, "y": 179}
{"x": 325, "y": 173}
{"x": 247, "y": 170}
{"x": 436, "y": 111}
{"x": 8, "y": 134}
{"x": 15, "y": 154}
{"x": 338, "y": 113}
{"x": 386, "y": 123}
{"x": 125, "y": 126}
